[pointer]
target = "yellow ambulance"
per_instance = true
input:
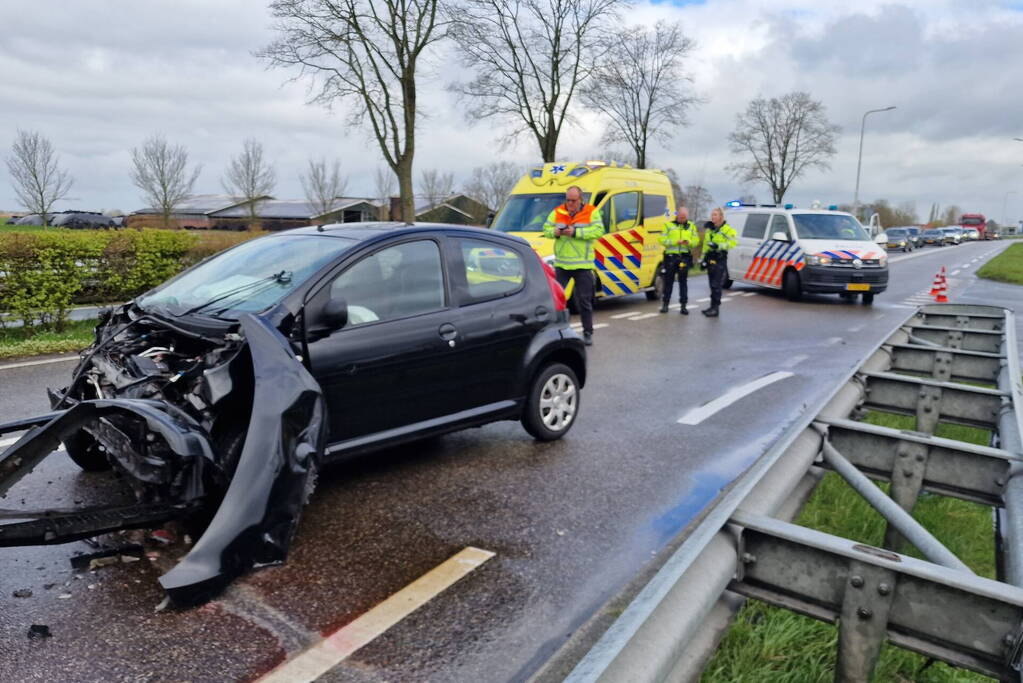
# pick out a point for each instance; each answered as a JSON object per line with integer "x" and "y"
{"x": 635, "y": 204}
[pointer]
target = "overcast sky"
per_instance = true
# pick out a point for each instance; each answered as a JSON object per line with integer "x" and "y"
{"x": 97, "y": 77}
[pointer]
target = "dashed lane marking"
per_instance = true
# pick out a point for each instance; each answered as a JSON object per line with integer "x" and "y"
{"x": 795, "y": 360}
{"x": 698, "y": 415}
{"x": 28, "y": 363}
{"x": 335, "y": 648}
{"x": 644, "y": 317}
{"x": 857, "y": 328}
{"x": 578, "y": 327}
{"x": 748, "y": 294}
{"x": 954, "y": 273}
{"x": 704, "y": 299}
{"x": 619, "y": 316}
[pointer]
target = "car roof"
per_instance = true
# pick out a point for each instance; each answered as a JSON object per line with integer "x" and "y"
{"x": 372, "y": 231}
{"x": 783, "y": 210}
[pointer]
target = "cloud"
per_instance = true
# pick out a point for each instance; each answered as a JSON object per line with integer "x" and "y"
{"x": 98, "y": 76}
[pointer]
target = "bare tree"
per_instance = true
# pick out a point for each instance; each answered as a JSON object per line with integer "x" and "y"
{"x": 436, "y": 186}
{"x": 698, "y": 200}
{"x": 161, "y": 171}
{"x": 39, "y": 182}
{"x": 950, "y": 216}
{"x": 384, "y": 182}
{"x": 491, "y": 184}
{"x": 676, "y": 185}
{"x": 781, "y": 138}
{"x": 641, "y": 85}
{"x": 365, "y": 52}
{"x": 530, "y": 58}
{"x": 322, "y": 186}
{"x": 249, "y": 176}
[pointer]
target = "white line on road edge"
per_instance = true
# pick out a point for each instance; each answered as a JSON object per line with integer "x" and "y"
{"x": 335, "y": 648}
{"x": 619, "y": 316}
{"x": 795, "y": 360}
{"x": 700, "y": 414}
{"x": 28, "y": 363}
{"x": 644, "y": 316}
{"x": 700, "y": 301}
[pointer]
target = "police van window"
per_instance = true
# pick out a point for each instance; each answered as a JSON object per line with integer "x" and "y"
{"x": 654, "y": 205}
{"x": 780, "y": 224}
{"x": 626, "y": 211}
{"x": 490, "y": 270}
{"x": 756, "y": 225}
{"x": 396, "y": 282}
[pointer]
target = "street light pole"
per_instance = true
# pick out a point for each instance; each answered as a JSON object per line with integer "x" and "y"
{"x": 1005, "y": 201}
{"x": 859, "y": 160}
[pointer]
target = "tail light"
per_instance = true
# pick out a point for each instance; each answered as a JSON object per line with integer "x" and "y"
{"x": 557, "y": 293}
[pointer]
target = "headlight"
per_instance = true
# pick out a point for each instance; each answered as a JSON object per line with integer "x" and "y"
{"x": 902, "y": 243}
{"x": 818, "y": 260}
{"x": 882, "y": 260}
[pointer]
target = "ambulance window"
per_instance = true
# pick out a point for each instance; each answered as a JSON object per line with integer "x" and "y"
{"x": 756, "y": 225}
{"x": 626, "y": 211}
{"x": 491, "y": 270}
{"x": 780, "y": 224}
{"x": 654, "y": 206}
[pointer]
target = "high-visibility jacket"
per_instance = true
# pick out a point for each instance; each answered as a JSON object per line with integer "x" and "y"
{"x": 575, "y": 252}
{"x": 674, "y": 232}
{"x": 723, "y": 238}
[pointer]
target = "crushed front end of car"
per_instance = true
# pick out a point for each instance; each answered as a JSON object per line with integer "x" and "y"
{"x": 222, "y": 428}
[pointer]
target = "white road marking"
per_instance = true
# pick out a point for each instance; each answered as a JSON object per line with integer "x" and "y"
{"x": 954, "y": 273}
{"x": 795, "y": 360}
{"x": 704, "y": 299}
{"x": 856, "y": 329}
{"x": 698, "y": 415}
{"x": 832, "y": 341}
{"x": 691, "y": 307}
{"x": 619, "y": 316}
{"x": 578, "y": 327}
{"x": 643, "y": 317}
{"x": 335, "y": 648}
{"x": 748, "y": 294}
{"x": 28, "y": 363}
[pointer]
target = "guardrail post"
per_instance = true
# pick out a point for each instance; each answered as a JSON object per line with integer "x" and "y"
{"x": 863, "y": 624}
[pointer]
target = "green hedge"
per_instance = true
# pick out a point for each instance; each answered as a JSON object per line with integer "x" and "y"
{"x": 44, "y": 274}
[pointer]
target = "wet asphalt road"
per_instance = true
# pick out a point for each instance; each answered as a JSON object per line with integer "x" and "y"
{"x": 570, "y": 522}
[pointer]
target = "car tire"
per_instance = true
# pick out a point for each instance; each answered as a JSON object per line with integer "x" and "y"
{"x": 847, "y": 296}
{"x": 790, "y": 286}
{"x": 86, "y": 452}
{"x": 657, "y": 285}
{"x": 552, "y": 405}
{"x": 868, "y": 298}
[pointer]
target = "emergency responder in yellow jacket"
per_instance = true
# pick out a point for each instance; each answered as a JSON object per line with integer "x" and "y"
{"x": 680, "y": 238}
{"x": 574, "y": 227}
{"x": 718, "y": 239}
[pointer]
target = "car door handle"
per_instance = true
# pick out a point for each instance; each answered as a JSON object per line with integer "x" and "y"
{"x": 448, "y": 333}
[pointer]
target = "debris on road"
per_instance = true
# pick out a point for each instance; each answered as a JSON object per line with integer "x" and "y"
{"x": 37, "y": 631}
{"x": 22, "y": 593}
{"x": 100, "y": 557}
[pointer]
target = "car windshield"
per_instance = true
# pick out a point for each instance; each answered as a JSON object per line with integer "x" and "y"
{"x": 829, "y": 226}
{"x": 972, "y": 221}
{"x": 932, "y": 233}
{"x": 248, "y": 278}
{"x": 896, "y": 232}
{"x": 527, "y": 212}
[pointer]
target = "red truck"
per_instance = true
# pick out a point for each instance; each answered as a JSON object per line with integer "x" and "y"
{"x": 977, "y": 222}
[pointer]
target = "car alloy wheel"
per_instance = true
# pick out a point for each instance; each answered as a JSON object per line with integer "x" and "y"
{"x": 558, "y": 402}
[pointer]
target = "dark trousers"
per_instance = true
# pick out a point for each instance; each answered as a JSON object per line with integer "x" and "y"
{"x": 582, "y": 293}
{"x": 676, "y": 265}
{"x": 717, "y": 273}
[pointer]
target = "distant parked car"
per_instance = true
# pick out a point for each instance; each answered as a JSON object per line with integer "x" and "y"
{"x": 936, "y": 237}
{"x": 899, "y": 238}
{"x": 955, "y": 235}
{"x": 971, "y": 234}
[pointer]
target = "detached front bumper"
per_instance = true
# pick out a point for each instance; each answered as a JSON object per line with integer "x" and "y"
{"x": 835, "y": 280}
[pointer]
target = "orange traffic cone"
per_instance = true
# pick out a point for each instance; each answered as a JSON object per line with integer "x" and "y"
{"x": 940, "y": 296}
{"x": 936, "y": 286}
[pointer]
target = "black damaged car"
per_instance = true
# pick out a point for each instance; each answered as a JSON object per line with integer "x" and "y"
{"x": 220, "y": 393}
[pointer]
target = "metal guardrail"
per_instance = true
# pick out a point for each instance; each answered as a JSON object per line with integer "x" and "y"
{"x": 928, "y": 368}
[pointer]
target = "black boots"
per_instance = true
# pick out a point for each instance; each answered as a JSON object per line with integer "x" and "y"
{"x": 664, "y": 307}
{"x": 711, "y": 312}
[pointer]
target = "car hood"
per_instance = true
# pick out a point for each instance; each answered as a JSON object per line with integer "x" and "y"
{"x": 843, "y": 250}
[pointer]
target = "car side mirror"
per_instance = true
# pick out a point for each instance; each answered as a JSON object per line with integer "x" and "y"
{"x": 335, "y": 313}
{"x": 881, "y": 238}
{"x": 780, "y": 236}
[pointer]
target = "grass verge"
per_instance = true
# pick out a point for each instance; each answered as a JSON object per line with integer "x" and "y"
{"x": 16, "y": 341}
{"x": 1006, "y": 267}
{"x": 768, "y": 644}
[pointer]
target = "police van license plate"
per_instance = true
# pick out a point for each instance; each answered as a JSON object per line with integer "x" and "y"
{"x": 857, "y": 287}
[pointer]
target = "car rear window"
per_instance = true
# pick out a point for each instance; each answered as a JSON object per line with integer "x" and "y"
{"x": 491, "y": 270}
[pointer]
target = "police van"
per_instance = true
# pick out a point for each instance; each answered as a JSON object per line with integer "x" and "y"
{"x": 806, "y": 251}
{"x": 634, "y": 203}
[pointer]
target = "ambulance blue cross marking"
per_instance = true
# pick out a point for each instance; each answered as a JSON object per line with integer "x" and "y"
{"x": 557, "y": 169}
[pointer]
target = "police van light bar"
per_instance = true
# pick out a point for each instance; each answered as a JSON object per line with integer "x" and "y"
{"x": 789, "y": 206}
{"x": 833, "y": 207}
{"x": 734, "y": 204}
{"x": 596, "y": 163}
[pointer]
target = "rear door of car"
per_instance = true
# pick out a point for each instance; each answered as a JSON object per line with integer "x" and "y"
{"x": 499, "y": 312}
{"x": 752, "y": 234}
{"x": 395, "y": 362}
